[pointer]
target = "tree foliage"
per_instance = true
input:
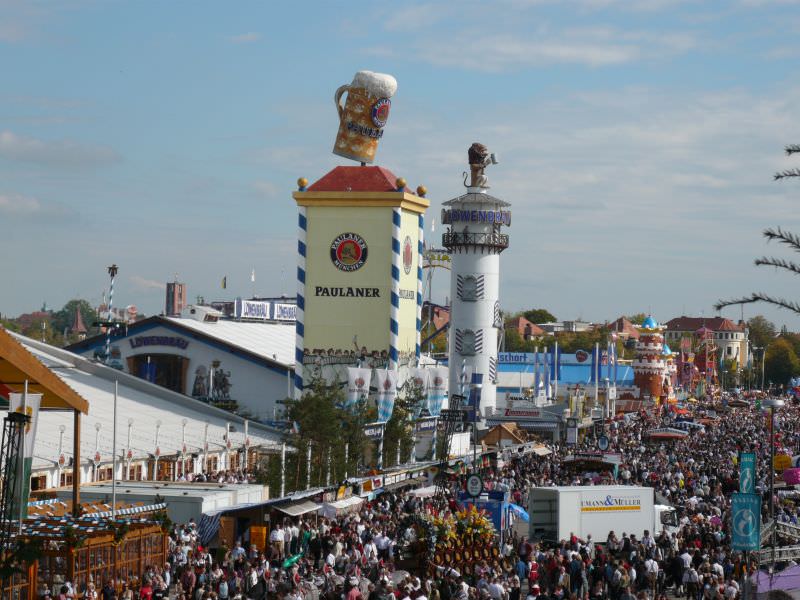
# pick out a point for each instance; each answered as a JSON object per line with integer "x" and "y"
{"x": 782, "y": 362}
{"x": 762, "y": 331}
{"x": 539, "y": 315}
{"x": 637, "y": 318}
{"x": 321, "y": 422}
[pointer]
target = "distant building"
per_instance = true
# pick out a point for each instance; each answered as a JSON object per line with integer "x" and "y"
{"x": 567, "y": 326}
{"x": 731, "y": 338}
{"x": 624, "y": 329}
{"x": 176, "y": 299}
{"x": 526, "y": 329}
{"x": 437, "y": 314}
{"x": 243, "y": 365}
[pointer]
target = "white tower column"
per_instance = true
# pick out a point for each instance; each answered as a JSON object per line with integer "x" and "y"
{"x": 474, "y": 223}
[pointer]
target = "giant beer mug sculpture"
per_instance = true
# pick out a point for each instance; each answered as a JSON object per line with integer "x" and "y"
{"x": 363, "y": 115}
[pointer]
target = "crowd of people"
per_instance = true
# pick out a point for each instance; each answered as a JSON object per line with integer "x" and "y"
{"x": 364, "y": 555}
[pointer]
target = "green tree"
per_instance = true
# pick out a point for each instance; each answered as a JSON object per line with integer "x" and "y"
{"x": 782, "y": 237}
{"x": 761, "y": 331}
{"x": 637, "y": 318}
{"x": 324, "y": 424}
{"x": 539, "y": 315}
{"x": 781, "y": 362}
{"x": 63, "y": 320}
{"x": 582, "y": 340}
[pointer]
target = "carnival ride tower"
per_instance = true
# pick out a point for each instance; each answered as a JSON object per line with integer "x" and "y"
{"x": 649, "y": 366}
{"x": 474, "y": 240}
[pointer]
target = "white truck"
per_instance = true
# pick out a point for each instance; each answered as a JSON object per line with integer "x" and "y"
{"x": 556, "y": 513}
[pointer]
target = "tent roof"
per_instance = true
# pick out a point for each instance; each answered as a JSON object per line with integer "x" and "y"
{"x": 18, "y": 365}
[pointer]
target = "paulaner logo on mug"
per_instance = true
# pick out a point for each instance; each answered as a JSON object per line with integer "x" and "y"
{"x": 364, "y": 114}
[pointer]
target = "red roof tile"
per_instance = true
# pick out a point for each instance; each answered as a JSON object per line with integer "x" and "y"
{"x": 356, "y": 179}
{"x": 695, "y": 323}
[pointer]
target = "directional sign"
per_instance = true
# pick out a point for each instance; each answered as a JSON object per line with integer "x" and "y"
{"x": 746, "y": 521}
{"x": 453, "y": 415}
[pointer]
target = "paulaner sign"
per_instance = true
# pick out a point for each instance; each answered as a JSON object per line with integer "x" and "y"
{"x": 347, "y": 292}
{"x": 611, "y": 503}
{"x": 158, "y": 340}
{"x": 497, "y": 217}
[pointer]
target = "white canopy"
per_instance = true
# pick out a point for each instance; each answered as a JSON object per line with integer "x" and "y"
{"x": 341, "y": 507}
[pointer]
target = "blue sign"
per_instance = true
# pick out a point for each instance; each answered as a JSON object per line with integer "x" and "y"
{"x": 747, "y": 472}
{"x": 474, "y": 402}
{"x": 515, "y": 358}
{"x": 746, "y": 521}
{"x": 495, "y": 503}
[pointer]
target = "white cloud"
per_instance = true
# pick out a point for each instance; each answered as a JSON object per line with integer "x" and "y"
{"x": 245, "y": 38}
{"x": 266, "y": 188}
{"x": 592, "y": 47}
{"x": 143, "y": 284}
{"x": 63, "y": 153}
{"x": 29, "y": 207}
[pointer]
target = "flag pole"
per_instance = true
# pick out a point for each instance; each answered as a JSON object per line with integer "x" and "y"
{"x": 114, "y": 456}
{"x": 21, "y": 458}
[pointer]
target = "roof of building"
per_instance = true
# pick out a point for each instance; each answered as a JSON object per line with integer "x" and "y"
{"x": 712, "y": 323}
{"x": 624, "y": 327}
{"x": 140, "y": 402}
{"x": 356, "y": 179}
{"x": 476, "y": 197}
{"x": 510, "y": 429}
{"x": 272, "y": 343}
{"x": 521, "y": 323}
{"x": 78, "y": 325}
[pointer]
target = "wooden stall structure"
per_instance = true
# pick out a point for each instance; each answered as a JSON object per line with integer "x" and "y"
{"x": 91, "y": 548}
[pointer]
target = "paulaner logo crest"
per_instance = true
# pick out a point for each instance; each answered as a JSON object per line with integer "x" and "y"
{"x": 380, "y": 112}
{"x": 348, "y": 252}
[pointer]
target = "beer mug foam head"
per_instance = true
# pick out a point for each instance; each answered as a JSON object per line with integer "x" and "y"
{"x": 377, "y": 85}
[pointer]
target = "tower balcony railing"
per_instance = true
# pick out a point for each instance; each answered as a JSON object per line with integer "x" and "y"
{"x": 493, "y": 240}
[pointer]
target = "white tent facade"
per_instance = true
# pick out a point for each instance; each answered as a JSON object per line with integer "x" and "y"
{"x": 160, "y": 434}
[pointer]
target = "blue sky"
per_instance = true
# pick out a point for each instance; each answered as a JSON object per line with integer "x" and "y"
{"x": 637, "y": 141}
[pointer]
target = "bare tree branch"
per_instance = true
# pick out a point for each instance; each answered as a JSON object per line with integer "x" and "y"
{"x": 783, "y": 237}
{"x": 760, "y": 297}
{"x": 792, "y": 149}
{"x": 787, "y": 173}
{"x": 767, "y": 261}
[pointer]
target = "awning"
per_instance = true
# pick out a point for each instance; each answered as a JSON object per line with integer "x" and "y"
{"x": 404, "y": 483}
{"x": 542, "y": 451}
{"x": 18, "y": 365}
{"x": 295, "y": 509}
{"x": 341, "y": 507}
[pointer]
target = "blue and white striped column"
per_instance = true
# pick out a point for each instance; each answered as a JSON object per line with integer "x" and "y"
{"x": 396, "y": 264}
{"x": 302, "y": 228}
{"x": 420, "y": 250}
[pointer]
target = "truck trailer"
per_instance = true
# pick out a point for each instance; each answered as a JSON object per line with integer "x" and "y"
{"x": 556, "y": 513}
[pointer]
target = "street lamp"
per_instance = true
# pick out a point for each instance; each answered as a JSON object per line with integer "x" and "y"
{"x": 61, "y": 429}
{"x": 97, "y": 427}
{"x": 157, "y": 451}
{"x": 772, "y": 404}
{"x": 128, "y": 454}
{"x": 184, "y": 422}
